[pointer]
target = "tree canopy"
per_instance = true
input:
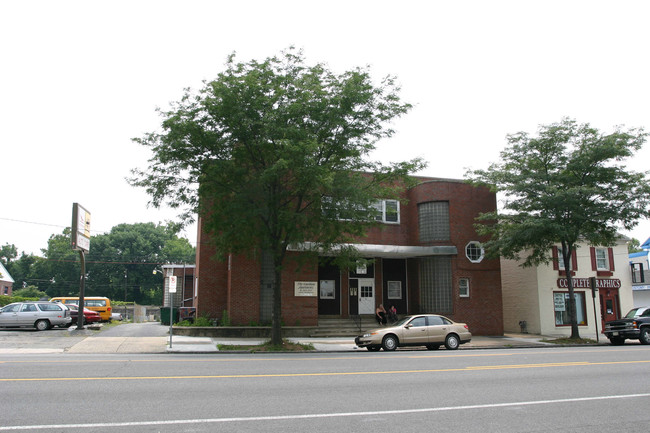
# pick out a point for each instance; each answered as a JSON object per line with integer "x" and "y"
{"x": 279, "y": 151}
{"x": 120, "y": 263}
{"x": 567, "y": 185}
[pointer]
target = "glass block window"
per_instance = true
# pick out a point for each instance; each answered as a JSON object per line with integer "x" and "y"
{"x": 436, "y": 285}
{"x": 433, "y": 220}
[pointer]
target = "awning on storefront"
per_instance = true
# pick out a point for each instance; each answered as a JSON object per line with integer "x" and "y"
{"x": 386, "y": 251}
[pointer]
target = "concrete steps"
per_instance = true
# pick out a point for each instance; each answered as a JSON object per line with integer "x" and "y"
{"x": 343, "y": 327}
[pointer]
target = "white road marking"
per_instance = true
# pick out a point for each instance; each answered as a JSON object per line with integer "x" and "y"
{"x": 315, "y": 415}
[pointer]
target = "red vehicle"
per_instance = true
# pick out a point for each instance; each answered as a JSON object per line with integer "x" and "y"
{"x": 90, "y": 316}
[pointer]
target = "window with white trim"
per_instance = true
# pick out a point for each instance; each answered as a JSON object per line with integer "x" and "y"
{"x": 602, "y": 259}
{"x": 463, "y": 287}
{"x": 387, "y": 211}
{"x": 474, "y": 252}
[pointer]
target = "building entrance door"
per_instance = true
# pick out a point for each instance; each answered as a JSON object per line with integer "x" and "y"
{"x": 609, "y": 306}
{"x": 366, "y": 296}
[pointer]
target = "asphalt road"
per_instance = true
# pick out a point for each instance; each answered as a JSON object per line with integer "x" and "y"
{"x": 590, "y": 389}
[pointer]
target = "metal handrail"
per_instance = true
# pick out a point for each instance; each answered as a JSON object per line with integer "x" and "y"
{"x": 357, "y": 321}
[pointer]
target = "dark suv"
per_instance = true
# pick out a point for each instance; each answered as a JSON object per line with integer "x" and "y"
{"x": 635, "y": 325}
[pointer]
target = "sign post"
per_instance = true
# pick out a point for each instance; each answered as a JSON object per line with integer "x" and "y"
{"x": 594, "y": 288}
{"x": 81, "y": 242}
{"x": 172, "y": 290}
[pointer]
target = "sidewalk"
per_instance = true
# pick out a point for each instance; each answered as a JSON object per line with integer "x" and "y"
{"x": 185, "y": 344}
{"x": 202, "y": 345}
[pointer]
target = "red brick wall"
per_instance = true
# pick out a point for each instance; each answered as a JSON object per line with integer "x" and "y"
{"x": 482, "y": 311}
{"x": 212, "y": 279}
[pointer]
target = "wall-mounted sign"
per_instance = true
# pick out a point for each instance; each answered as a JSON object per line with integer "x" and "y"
{"x": 583, "y": 283}
{"x": 305, "y": 288}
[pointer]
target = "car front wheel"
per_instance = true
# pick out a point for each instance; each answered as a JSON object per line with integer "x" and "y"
{"x": 617, "y": 341}
{"x": 42, "y": 325}
{"x": 451, "y": 342}
{"x": 644, "y": 337}
{"x": 389, "y": 343}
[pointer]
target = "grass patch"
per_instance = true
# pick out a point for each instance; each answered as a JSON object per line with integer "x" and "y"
{"x": 567, "y": 340}
{"x": 286, "y": 346}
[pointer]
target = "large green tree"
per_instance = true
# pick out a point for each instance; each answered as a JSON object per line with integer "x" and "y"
{"x": 119, "y": 265}
{"x": 567, "y": 185}
{"x": 280, "y": 152}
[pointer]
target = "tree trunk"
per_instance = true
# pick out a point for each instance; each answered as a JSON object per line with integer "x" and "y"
{"x": 276, "y": 323}
{"x": 567, "y": 252}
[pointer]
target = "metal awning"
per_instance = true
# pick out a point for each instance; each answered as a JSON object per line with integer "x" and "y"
{"x": 387, "y": 251}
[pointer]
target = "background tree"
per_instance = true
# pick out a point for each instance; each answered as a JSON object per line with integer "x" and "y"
{"x": 8, "y": 253}
{"x": 272, "y": 144}
{"x": 633, "y": 246}
{"x": 567, "y": 185}
{"x": 134, "y": 250}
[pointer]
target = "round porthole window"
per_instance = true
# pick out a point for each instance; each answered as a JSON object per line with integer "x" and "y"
{"x": 474, "y": 252}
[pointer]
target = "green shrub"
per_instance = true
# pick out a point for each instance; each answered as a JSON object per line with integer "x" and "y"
{"x": 225, "y": 319}
{"x": 6, "y": 300}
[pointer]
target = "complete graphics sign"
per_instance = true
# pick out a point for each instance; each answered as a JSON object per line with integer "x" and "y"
{"x": 583, "y": 283}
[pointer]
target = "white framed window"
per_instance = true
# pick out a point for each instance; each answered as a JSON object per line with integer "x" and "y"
{"x": 362, "y": 269}
{"x": 463, "y": 287}
{"x": 387, "y": 211}
{"x": 394, "y": 290}
{"x": 602, "y": 259}
{"x": 474, "y": 252}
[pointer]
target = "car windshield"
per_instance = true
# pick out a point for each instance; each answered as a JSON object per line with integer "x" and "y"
{"x": 402, "y": 321}
{"x": 634, "y": 312}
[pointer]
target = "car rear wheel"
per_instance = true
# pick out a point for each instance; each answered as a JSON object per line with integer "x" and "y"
{"x": 644, "y": 337}
{"x": 42, "y": 325}
{"x": 451, "y": 342}
{"x": 617, "y": 341}
{"x": 389, "y": 343}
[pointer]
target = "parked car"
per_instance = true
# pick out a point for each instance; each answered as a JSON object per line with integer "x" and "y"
{"x": 116, "y": 316}
{"x": 40, "y": 315}
{"x": 430, "y": 330}
{"x": 635, "y": 325}
{"x": 90, "y": 316}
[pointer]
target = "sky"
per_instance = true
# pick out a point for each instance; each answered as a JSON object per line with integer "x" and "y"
{"x": 80, "y": 79}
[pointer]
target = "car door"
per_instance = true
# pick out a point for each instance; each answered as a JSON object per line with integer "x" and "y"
{"x": 9, "y": 316}
{"x": 437, "y": 329}
{"x": 27, "y": 315}
{"x": 415, "y": 331}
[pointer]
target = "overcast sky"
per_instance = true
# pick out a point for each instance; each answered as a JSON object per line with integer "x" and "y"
{"x": 79, "y": 79}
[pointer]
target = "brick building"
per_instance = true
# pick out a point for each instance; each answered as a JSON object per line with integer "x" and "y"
{"x": 425, "y": 256}
{"x": 6, "y": 282}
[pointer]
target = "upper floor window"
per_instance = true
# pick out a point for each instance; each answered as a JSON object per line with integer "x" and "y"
{"x": 602, "y": 261}
{"x": 474, "y": 252}
{"x": 387, "y": 211}
{"x": 433, "y": 221}
{"x": 558, "y": 260}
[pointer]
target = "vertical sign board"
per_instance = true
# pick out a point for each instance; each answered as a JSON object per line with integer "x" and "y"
{"x": 80, "y": 228}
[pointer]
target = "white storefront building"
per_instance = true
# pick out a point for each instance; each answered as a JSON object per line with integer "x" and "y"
{"x": 535, "y": 299}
